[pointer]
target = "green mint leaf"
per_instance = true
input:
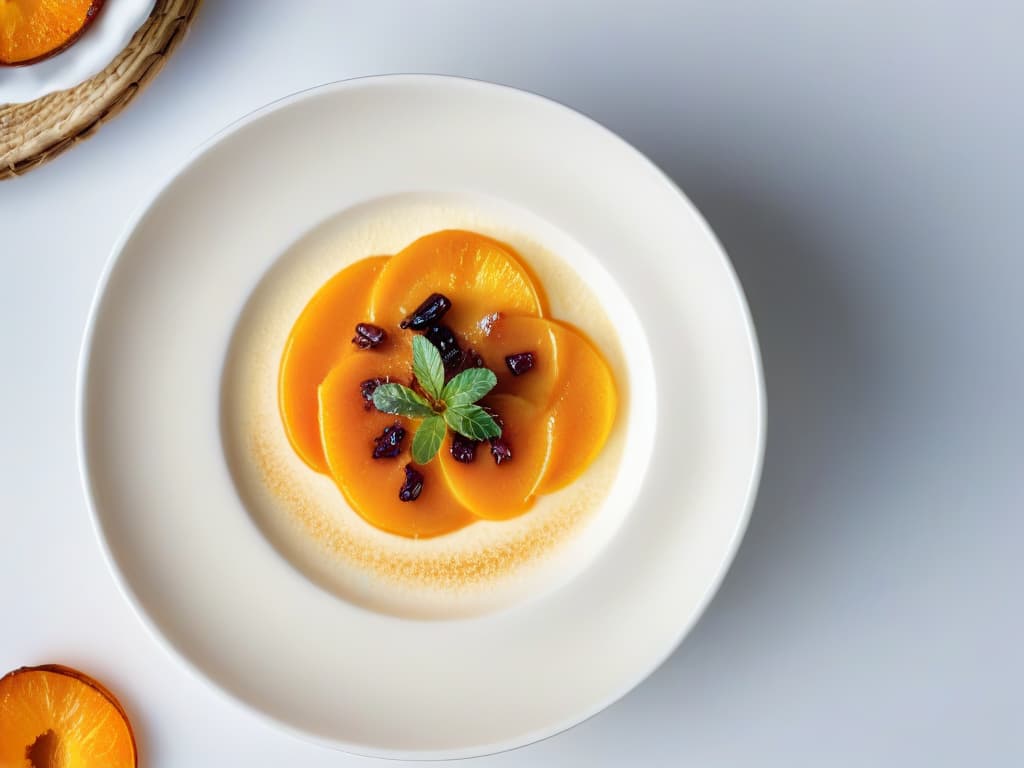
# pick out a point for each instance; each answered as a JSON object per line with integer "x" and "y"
{"x": 427, "y": 366}
{"x": 394, "y": 398}
{"x": 472, "y": 421}
{"x": 427, "y": 440}
{"x": 469, "y": 386}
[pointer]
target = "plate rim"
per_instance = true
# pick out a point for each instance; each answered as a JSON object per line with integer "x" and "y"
{"x": 85, "y": 355}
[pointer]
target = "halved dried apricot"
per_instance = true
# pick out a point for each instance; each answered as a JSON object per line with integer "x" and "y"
{"x": 479, "y": 275}
{"x": 32, "y": 30}
{"x": 319, "y": 340}
{"x": 372, "y": 485}
{"x": 500, "y": 491}
{"x": 56, "y": 716}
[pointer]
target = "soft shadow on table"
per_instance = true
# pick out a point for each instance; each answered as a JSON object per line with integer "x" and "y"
{"x": 820, "y": 390}
{"x": 817, "y": 375}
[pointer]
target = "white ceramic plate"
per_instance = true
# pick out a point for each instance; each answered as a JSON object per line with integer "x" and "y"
{"x": 209, "y": 584}
{"x": 108, "y": 34}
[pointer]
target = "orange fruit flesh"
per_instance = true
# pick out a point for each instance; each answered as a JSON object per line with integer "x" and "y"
{"x": 34, "y": 29}
{"x": 501, "y": 491}
{"x": 481, "y": 276}
{"x": 557, "y": 416}
{"x": 319, "y": 340}
{"x": 56, "y": 716}
{"x": 372, "y": 485}
{"x": 584, "y": 408}
{"x": 512, "y": 335}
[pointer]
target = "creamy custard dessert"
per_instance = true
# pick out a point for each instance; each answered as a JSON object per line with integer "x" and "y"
{"x": 424, "y": 408}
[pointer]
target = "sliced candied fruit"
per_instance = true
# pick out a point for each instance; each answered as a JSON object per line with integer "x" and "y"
{"x": 476, "y": 274}
{"x": 499, "y": 491}
{"x": 583, "y": 411}
{"x": 318, "y": 341}
{"x": 510, "y": 335}
{"x": 373, "y": 486}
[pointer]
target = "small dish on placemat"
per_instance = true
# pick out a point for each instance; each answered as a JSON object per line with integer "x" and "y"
{"x": 62, "y": 44}
{"x": 89, "y": 60}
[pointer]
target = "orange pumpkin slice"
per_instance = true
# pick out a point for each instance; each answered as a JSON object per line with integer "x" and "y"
{"x": 481, "y": 276}
{"x": 32, "y": 30}
{"x": 500, "y": 491}
{"x": 584, "y": 408}
{"x": 371, "y": 485}
{"x": 56, "y": 716}
{"x": 319, "y": 340}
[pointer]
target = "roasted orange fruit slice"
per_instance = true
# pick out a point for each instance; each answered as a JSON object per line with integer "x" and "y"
{"x": 57, "y": 717}
{"x": 32, "y": 30}
{"x": 372, "y": 486}
{"x": 320, "y": 338}
{"x": 509, "y": 336}
{"x": 500, "y": 491}
{"x": 585, "y": 404}
{"x": 479, "y": 275}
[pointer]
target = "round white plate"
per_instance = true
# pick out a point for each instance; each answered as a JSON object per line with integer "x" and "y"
{"x": 211, "y": 586}
{"x": 108, "y": 34}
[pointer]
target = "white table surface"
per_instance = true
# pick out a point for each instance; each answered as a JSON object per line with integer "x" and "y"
{"x": 863, "y": 166}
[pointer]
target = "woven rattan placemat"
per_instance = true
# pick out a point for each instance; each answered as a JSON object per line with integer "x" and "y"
{"x": 38, "y": 131}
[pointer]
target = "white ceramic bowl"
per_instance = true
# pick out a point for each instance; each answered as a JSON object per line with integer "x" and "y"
{"x": 216, "y": 592}
{"x": 108, "y": 34}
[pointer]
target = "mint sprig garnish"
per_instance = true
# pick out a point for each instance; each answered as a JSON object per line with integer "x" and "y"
{"x": 446, "y": 406}
{"x": 468, "y": 387}
{"x": 427, "y": 367}
{"x": 427, "y": 440}
{"x": 472, "y": 421}
{"x": 402, "y": 401}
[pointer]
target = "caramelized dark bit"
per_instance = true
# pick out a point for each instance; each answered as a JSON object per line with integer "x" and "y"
{"x": 389, "y": 444}
{"x": 520, "y": 363}
{"x": 442, "y": 337}
{"x": 500, "y": 450}
{"x": 428, "y": 313}
{"x": 369, "y": 336}
{"x": 470, "y": 359}
{"x": 463, "y": 448}
{"x": 367, "y": 388}
{"x": 413, "y": 485}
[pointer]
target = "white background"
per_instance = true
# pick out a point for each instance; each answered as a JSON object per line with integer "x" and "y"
{"x": 862, "y": 163}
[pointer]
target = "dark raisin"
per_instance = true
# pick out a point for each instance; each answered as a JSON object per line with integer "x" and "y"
{"x": 428, "y": 313}
{"x": 500, "y": 450}
{"x": 389, "y": 444}
{"x": 520, "y": 363}
{"x": 441, "y": 336}
{"x": 369, "y": 336}
{"x": 413, "y": 485}
{"x": 464, "y": 448}
{"x": 367, "y": 388}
